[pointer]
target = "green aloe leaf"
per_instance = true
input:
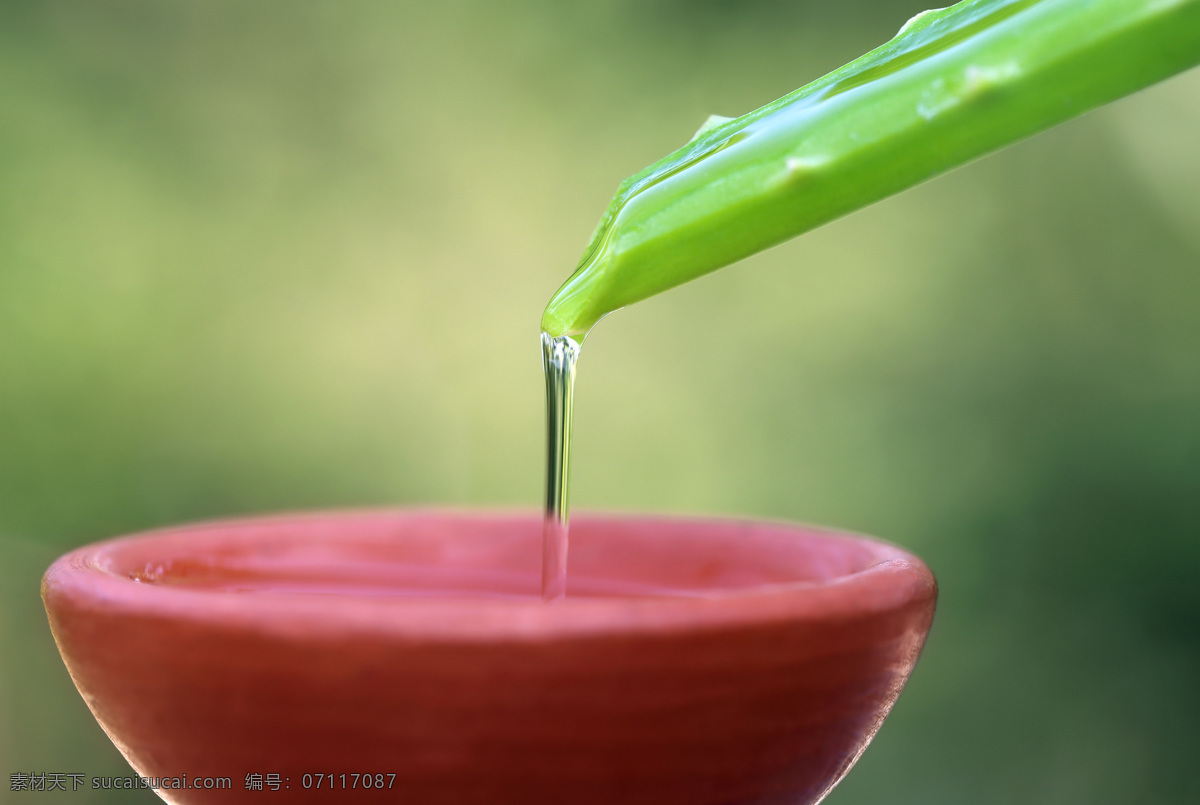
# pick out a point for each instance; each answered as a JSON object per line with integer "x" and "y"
{"x": 953, "y": 84}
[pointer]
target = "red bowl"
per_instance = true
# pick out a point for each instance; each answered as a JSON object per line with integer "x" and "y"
{"x": 407, "y": 656}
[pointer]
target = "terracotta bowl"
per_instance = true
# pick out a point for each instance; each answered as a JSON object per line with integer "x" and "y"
{"x": 693, "y": 661}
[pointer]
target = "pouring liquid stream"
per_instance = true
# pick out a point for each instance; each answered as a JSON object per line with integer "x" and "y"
{"x": 559, "y": 354}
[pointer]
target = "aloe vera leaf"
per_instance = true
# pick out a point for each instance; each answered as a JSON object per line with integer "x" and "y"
{"x": 952, "y": 85}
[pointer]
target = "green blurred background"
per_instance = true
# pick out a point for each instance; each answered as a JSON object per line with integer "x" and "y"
{"x": 281, "y": 255}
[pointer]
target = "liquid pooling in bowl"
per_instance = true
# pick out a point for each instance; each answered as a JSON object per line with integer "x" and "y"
{"x": 496, "y": 558}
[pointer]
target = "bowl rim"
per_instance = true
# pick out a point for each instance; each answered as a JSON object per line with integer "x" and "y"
{"x": 80, "y": 580}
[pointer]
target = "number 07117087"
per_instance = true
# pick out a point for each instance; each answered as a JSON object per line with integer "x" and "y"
{"x": 379, "y": 780}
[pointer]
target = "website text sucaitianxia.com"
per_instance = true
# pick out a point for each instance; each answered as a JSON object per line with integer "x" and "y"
{"x": 76, "y": 781}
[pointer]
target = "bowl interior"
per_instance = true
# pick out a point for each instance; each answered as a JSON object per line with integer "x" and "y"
{"x": 484, "y": 557}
